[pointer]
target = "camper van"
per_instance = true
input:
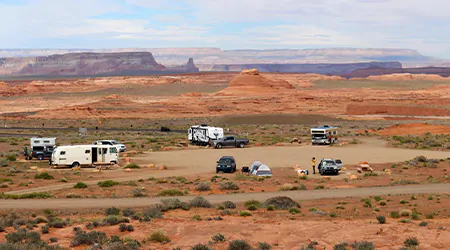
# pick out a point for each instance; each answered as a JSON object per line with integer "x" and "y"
{"x": 324, "y": 135}
{"x": 40, "y": 148}
{"x": 204, "y": 134}
{"x": 84, "y": 155}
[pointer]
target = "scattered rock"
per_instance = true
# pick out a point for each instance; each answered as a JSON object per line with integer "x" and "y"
{"x": 162, "y": 167}
{"x": 278, "y": 144}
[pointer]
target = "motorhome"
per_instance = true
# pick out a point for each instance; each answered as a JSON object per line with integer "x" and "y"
{"x": 324, "y": 135}
{"x": 40, "y": 148}
{"x": 84, "y": 155}
{"x": 204, "y": 134}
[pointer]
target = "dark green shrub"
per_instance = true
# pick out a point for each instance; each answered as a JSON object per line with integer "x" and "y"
{"x": 44, "y": 229}
{"x": 245, "y": 213}
{"x": 228, "y": 205}
{"x": 218, "y": 238}
{"x": 122, "y": 227}
{"x": 423, "y": 224}
{"x": 341, "y": 246}
{"x": 107, "y": 183}
{"x": 44, "y": 176}
{"x": 128, "y": 212}
{"x": 80, "y": 185}
{"x": 239, "y": 245}
{"x": 112, "y": 211}
{"x": 111, "y": 220}
{"x": 411, "y": 242}
{"x": 153, "y": 212}
{"x": 294, "y": 210}
{"x": 159, "y": 237}
{"x": 11, "y": 158}
{"x": 203, "y": 186}
{"x": 130, "y": 228}
{"x": 264, "y": 246}
{"x": 132, "y": 166}
{"x": 381, "y": 219}
{"x": 171, "y": 192}
{"x": 363, "y": 245}
{"x": 53, "y": 239}
{"x": 201, "y": 247}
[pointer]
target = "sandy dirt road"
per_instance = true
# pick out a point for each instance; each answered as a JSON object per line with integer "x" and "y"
{"x": 202, "y": 161}
{"x": 215, "y": 199}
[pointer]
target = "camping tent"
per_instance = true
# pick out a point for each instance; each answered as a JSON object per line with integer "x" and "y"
{"x": 259, "y": 169}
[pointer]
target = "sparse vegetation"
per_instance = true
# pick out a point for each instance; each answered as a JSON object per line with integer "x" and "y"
{"x": 218, "y": 238}
{"x": 229, "y": 185}
{"x": 44, "y": 176}
{"x": 239, "y": 245}
{"x": 80, "y": 185}
{"x": 200, "y": 202}
{"x": 411, "y": 242}
{"x": 281, "y": 202}
{"x": 107, "y": 183}
{"x": 159, "y": 237}
{"x": 245, "y": 213}
{"x": 203, "y": 186}
{"x": 132, "y": 166}
{"x": 171, "y": 192}
{"x": 381, "y": 219}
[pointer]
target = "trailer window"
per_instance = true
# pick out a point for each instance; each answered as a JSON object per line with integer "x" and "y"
{"x": 37, "y": 141}
{"x": 87, "y": 151}
{"x": 105, "y": 150}
{"x": 112, "y": 150}
{"x": 46, "y": 141}
{"x": 62, "y": 153}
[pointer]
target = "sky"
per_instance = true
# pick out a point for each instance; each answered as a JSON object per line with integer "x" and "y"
{"x": 227, "y": 24}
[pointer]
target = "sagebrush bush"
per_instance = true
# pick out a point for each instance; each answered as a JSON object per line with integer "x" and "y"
{"x": 281, "y": 202}
{"x": 239, "y": 245}
{"x": 171, "y": 192}
{"x": 245, "y": 213}
{"x": 263, "y": 246}
{"x": 200, "y": 202}
{"x": 218, "y": 238}
{"x": 294, "y": 210}
{"x": 411, "y": 242}
{"x": 153, "y": 212}
{"x": 229, "y": 185}
{"x": 132, "y": 166}
{"x": 203, "y": 186}
{"x": 228, "y": 205}
{"x": 127, "y": 212}
{"x": 363, "y": 245}
{"x": 159, "y": 237}
{"x": 201, "y": 247}
{"x": 112, "y": 211}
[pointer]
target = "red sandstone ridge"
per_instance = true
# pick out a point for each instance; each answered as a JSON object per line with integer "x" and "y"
{"x": 251, "y": 81}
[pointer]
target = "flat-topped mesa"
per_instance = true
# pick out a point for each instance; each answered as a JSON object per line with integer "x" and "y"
{"x": 89, "y": 64}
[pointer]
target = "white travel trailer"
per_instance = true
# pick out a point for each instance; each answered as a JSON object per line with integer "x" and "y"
{"x": 42, "y": 142}
{"x": 324, "y": 135}
{"x": 84, "y": 155}
{"x": 204, "y": 134}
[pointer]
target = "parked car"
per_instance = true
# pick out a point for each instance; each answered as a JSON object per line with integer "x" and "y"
{"x": 328, "y": 166}
{"x": 120, "y": 147}
{"x": 226, "y": 164}
{"x": 230, "y": 141}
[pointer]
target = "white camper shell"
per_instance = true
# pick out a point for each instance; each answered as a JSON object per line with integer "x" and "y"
{"x": 324, "y": 135}
{"x": 259, "y": 169}
{"x": 84, "y": 155}
{"x": 204, "y": 134}
{"x": 42, "y": 142}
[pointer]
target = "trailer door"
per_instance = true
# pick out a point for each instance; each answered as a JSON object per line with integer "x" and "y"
{"x": 94, "y": 155}
{"x": 104, "y": 152}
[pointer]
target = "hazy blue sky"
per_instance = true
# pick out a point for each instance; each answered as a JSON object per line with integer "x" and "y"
{"x": 228, "y": 24}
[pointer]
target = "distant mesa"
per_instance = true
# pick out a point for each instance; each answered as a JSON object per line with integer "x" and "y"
{"x": 90, "y": 64}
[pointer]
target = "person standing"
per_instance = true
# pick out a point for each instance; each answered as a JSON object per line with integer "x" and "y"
{"x": 314, "y": 165}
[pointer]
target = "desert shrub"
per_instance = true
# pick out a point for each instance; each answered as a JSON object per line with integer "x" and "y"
{"x": 226, "y": 212}
{"x": 44, "y": 229}
{"x": 228, "y": 205}
{"x": 122, "y": 227}
{"x": 395, "y": 215}
{"x": 203, "y": 186}
{"x": 270, "y": 208}
{"x": 383, "y": 203}
{"x": 405, "y": 212}
{"x": 130, "y": 228}
{"x": 137, "y": 192}
{"x": 294, "y": 210}
{"x": 90, "y": 238}
{"x": 111, "y": 220}
{"x": 80, "y": 185}
{"x": 107, "y": 183}
{"x": 341, "y": 246}
{"x": 217, "y": 238}
{"x": 404, "y": 182}
{"x": 370, "y": 174}
{"x": 44, "y": 176}
{"x": 153, "y": 212}
{"x": 201, "y": 247}
{"x": 159, "y": 237}
{"x": 196, "y": 217}
{"x": 171, "y": 204}
{"x": 423, "y": 224}
{"x": 57, "y": 223}
{"x": 310, "y": 246}
{"x": 254, "y": 203}
{"x": 252, "y": 208}
{"x": 381, "y": 219}
{"x": 415, "y": 216}
{"x": 281, "y": 202}
{"x": 363, "y": 245}
{"x": 200, "y": 202}
{"x": 245, "y": 213}
{"x": 171, "y": 192}
{"x": 11, "y": 157}
{"x": 263, "y": 246}
{"x": 239, "y": 245}
{"x": 40, "y": 220}
{"x": 26, "y": 196}
{"x": 53, "y": 239}
{"x": 229, "y": 185}
{"x": 290, "y": 187}
{"x": 132, "y": 166}
{"x": 127, "y": 212}
{"x": 367, "y": 202}
{"x": 112, "y": 211}
{"x": 411, "y": 242}
{"x": 429, "y": 216}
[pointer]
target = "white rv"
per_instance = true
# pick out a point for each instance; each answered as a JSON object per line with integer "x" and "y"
{"x": 324, "y": 135}
{"x": 204, "y": 134}
{"x": 84, "y": 155}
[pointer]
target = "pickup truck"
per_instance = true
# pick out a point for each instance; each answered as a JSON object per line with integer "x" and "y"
{"x": 230, "y": 141}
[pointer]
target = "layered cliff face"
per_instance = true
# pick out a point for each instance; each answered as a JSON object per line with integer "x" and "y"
{"x": 89, "y": 64}
{"x": 329, "y": 69}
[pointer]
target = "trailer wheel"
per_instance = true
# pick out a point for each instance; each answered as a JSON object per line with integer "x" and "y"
{"x": 75, "y": 164}
{"x": 219, "y": 145}
{"x": 40, "y": 157}
{"x": 241, "y": 145}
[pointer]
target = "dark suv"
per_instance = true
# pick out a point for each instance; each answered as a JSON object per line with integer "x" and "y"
{"x": 38, "y": 152}
{"x": 226, "y": 164}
